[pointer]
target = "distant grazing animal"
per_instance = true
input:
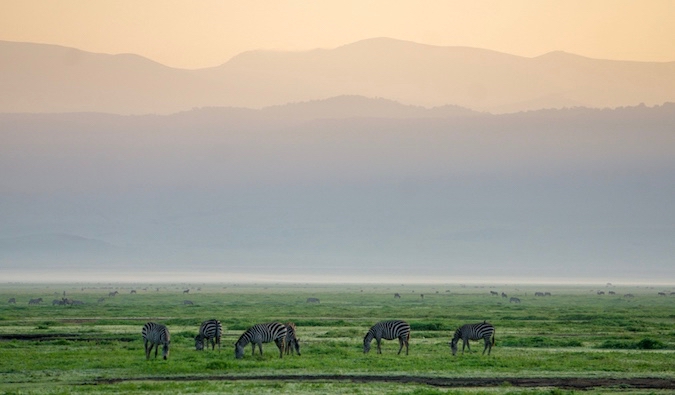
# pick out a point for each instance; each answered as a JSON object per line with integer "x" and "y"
{"x": 504, "y": 295}
{"x": 76, "y": 302}
{"x": 397, "y": 296}
{"x": 111, "y": 294}
{"x": 259, "y": 334}
{"x": 482, "y": 330}
{"x": 628, "y": 296}
{"x": 514, "y": 300}
{"x": 494, "y": 293}
{"x": 662, "y": 294}
{"x": 211, "y": 331}
{"x": 12, "y": 301}
{"x": 35, "y": 301}
{"x": 58, "y": 302}
{"x": 101, "y": 300}
{"x": 313, "y": 300}
{"x": 611, "y": 293}
{"x": 188, "y": 302}
{"x": 133, "y": 291}
{"x": 538, "y": 294}
{"x": 601, "y": 292}
{"x": 292, "y": 342}
{"x": 547, "y": 294}
{"x": 187, "y": 291}
{"x": 422, "y": 296}
{"x": 154, "y": 335}
{"x": 388, "y": 330}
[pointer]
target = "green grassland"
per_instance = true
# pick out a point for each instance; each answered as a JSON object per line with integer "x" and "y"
{"x": 97, "y": 347}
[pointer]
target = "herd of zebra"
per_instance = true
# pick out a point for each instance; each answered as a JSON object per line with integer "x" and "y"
{"x": 284, "y": 336}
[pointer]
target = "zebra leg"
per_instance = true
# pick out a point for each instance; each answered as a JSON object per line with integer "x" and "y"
{"x": 156, "y": 349}
{"x": 379, "y": 340}
{"x": 400, "y": 346}
{"x": 147, "y": 350}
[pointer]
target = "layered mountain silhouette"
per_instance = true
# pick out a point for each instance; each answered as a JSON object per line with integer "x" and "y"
{"x": 48, "y": 78}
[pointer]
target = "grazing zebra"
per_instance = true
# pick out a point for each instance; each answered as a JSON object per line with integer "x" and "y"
{"x": 514, "y": 300}
{"x": 188, "y": 302}
{"x": 313, "y": 300}
{"x": 494, "y": 293}
{"x": 12, "y": 301}
{"x": 538, "y": 294}
{"x": 155, "y": 334}
{"x": 504, "y": 295}
{"x": 58, "y": 302}
{"x": 388, "y": 330}
{"x": 111, "y": 294}
{"x": 259, "y": 334}
{"x": 397, "y": 296}
{"x": 35, "y": 301}
{"x": 210, "y": 330}
{"x": 482, "y": 330}
{"x": 292, "y": 342}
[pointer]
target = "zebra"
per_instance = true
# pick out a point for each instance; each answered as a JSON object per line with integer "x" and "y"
{"x": 313, "y": 300}
{"x": 514, "y": 300}
{"x": 11, "y": 301}
{"x": 35, "y": 301}
{"x": 482, "y": 330}
{"x": 188, "y": 302}
{"x": 259, "y": 334}
{"x": 210, "y": 330}
{"x": 538, "y": 294}
{"x": 155, "y": 334}
{"x": 388, "y": 330}
{"x": 292, "y": 342}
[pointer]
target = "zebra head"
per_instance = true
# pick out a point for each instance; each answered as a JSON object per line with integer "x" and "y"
{"x": 165, "y": 350}
{"x": 296, "y": 344}
{"x": 453, "y": 346}
{"x": 238, "y": 350}
{"x": 366, "y": 342}
{"x": 199, "y": 343}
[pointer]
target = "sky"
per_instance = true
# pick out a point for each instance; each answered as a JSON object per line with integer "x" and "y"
{"x": 206, "y": 33}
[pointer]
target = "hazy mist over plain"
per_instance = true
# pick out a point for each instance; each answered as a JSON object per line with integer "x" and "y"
{"x": 550, "y": 195}
{"x": 445, "y": 141}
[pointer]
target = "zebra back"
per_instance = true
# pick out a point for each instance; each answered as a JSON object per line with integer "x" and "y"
{"x": 210, "y": 330}
{"x": 261, "y": 333}
{"x": 155, "y": 334}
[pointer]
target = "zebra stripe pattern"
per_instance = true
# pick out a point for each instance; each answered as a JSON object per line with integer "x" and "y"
{"x": 211, "y": 331}
{"x": 482, "y": 330}
{"x": 259, "y": 334}
{"x": 292, "y": 342}
{"x": 388, "y": 330}
{"x": 154, "y": 335}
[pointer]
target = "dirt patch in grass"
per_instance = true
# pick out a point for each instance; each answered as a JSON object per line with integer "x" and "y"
{"x": 578, "y": 383}
{"x": 63, "y": 336}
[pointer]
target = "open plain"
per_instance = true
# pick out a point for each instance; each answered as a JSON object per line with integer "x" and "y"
{"x": 595, "y": 338}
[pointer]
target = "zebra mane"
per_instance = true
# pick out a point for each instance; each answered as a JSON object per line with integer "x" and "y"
{"x": 244, "y": 339}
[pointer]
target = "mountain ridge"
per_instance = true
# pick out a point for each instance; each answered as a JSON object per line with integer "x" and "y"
{"x": 48, "y": 78}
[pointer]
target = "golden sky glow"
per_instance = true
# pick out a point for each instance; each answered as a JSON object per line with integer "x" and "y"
{"x": 195, "y": 34}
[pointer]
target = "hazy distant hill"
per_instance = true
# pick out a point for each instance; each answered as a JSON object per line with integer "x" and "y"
{"x": 47, "y": 78}
{"x": 314, "y": 188}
